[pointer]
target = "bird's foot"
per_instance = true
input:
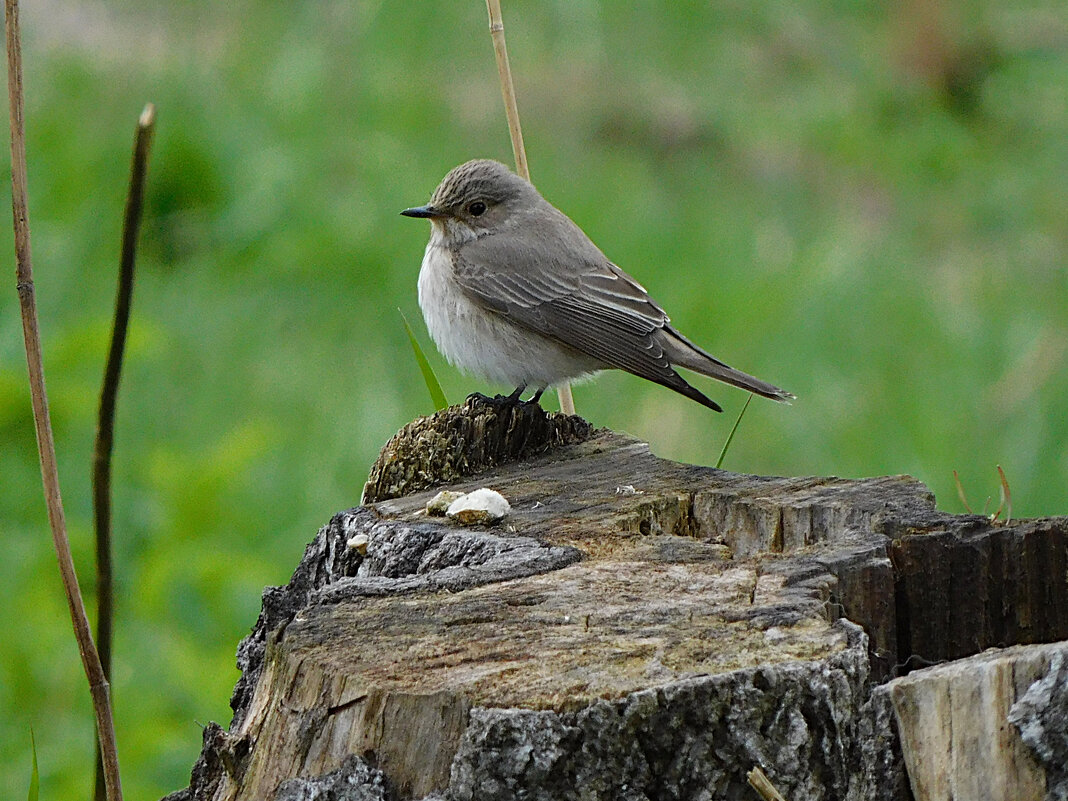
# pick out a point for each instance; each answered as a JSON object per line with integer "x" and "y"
{"x": 505, "y": 401}
{"x": 496, "y": 402}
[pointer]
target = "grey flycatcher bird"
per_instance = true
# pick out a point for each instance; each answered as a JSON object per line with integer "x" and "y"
{"x": 514, "y": 291}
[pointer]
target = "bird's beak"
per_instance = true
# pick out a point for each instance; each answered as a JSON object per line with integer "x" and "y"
{"x": 427, "y": 211}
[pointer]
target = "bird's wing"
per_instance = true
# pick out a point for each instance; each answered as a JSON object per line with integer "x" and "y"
{"x": 549, "y": 277}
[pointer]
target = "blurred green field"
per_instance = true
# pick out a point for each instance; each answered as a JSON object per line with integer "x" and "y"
{"x": 865, "y": 203}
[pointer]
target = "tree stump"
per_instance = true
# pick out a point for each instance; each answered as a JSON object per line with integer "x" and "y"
{"x": 634, "y": 629}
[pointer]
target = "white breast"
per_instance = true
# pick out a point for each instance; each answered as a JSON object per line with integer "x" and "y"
{"x": 484, "y": 343}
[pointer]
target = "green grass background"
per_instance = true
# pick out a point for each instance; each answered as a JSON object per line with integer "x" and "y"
{"x": 863, "y": 202}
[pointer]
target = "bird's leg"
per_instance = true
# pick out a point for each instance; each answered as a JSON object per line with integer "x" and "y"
{"x": 498, "y": 401}
{"x": 536, "y": 397}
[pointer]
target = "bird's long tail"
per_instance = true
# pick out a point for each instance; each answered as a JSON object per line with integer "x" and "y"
{"x": 683, "y": 353}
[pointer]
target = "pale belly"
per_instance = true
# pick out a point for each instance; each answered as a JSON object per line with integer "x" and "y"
{"x": 486, "y": 344}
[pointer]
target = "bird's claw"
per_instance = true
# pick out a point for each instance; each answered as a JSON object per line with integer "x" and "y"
{"x": 505, "y": 401}
{"x": 496, "y": 402}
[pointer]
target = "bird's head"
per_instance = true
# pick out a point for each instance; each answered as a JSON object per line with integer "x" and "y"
{"x": 477, "y": 198}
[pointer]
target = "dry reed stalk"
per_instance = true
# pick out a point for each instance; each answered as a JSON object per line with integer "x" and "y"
{"x": 98, "y": 684}
{"x": 105, "y": 429}
{"x": 511, "y": 109}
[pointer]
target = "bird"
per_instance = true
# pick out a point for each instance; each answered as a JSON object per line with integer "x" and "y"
{"x": 513, "y": 291}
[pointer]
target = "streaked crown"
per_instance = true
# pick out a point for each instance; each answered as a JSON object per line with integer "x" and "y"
{"x": 481, "y": 179}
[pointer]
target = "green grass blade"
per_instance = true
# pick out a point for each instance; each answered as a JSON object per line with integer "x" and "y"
{"x": 730, "y": 436}
{"x": 35, "y": 777}
{"x": 437, "y": 396}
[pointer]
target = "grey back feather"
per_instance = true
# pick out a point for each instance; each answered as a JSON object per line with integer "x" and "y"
{"x": 545, "y": 274}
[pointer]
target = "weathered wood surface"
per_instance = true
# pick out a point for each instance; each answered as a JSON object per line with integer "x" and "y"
{"x": 635, "y": 629}
{"x": 963, "y": 725}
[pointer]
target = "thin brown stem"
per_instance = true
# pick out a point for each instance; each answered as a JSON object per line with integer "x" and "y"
{"x": 762, "y": 784}
{"x": 511, "y": 110}
{"x": 960, "y": 493}
{"x": 504, "y": 70}
{"x": 98, "y": 684}
{"x": 105, "y": 429}
{"x": 1006, "y": 495}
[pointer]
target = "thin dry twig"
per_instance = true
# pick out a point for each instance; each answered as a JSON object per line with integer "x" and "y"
{"x": 762, "y": 784}
{"x": 511, "y": 109}
{"x": 1006, "y": 495}
{"x": 98, "y": 684}
{"x": 960, "y": 493}
{"x": 1006, "y": 499}
{"x": 105, "y": 429}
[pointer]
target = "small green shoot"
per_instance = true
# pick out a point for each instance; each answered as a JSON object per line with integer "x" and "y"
{"x": 437, "y": 396}
{"x": 730, "y": 436}
{"x": 1004, "y": 506}
{"x": 35, "y": 777}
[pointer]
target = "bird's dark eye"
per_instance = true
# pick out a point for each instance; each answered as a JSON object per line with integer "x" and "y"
{"x": 477, "y": 208}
